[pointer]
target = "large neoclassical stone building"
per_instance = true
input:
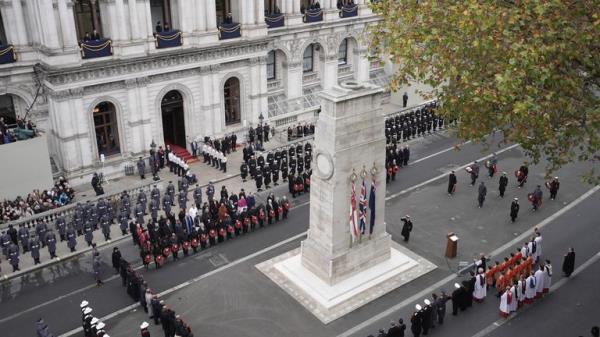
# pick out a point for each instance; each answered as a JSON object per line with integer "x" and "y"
{"x": 110, "y": 76}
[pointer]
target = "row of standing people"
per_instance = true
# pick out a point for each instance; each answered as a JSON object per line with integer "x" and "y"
{"x": 300, "y": 131}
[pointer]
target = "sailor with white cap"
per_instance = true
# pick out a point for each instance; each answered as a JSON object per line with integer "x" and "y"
{"x": 514, "y": 209}
{"x": 416, "y": 321}
{"x": 144, "y": 329}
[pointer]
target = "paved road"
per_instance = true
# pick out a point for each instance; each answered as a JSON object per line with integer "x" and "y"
{"x": 41, "y": 294}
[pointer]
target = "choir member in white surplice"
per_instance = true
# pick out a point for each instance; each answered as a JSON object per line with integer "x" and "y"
{"x": 539, "y": 282}
{"x": 480, "y": 290}
{"x": 521, "y": 287}
{"x": 513, "y": 306}
{"x": 530, "y": 289}
{"x": 505, "y": 302}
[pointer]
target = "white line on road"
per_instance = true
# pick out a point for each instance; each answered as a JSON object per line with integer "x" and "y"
{"x": 438, "y": 153}
{"x": 487, "y": 330}
{"x": 412, "y": 188}
{"x": 426, "y": 292}
{"x": 194, "y": 280}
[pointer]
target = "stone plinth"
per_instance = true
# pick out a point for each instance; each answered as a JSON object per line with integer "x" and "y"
{"x": 333, "y": 272}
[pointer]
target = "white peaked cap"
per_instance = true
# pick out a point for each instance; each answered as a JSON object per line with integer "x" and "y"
{"x": 94, "y": 321}
{"x": 456, "y": 285}
{"x": 100, "y": 325}
{"x": 427, "y": 302}
{"x": 144, "y": 325}
{"x": 87, "y": 310}
{"x": 418, "y": 307}
{"x": 83, "y": 304}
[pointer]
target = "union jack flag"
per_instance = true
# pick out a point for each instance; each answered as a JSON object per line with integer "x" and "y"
{"x": 352, "y": 219}
{"x": 362, "y": 207}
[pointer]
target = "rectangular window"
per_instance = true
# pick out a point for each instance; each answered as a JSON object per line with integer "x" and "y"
{"x": 271, "y": 65}
{"x": 308, "y": 61}
{"x": 343, "y": 52}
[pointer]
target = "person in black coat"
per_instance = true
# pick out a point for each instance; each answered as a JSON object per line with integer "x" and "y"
{"x": 406, "y": 227}
{"x": 116, "y": 259}
{"x": 416, "y": 321}
{"x": 458, "y": 298}
{"x": 451, "y": 183}
{"x": 514, "y": 209}
{"x": 569, "y": 262}
{"x": 502, "y": 184}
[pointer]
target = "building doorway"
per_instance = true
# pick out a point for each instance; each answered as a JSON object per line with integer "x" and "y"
{"x": 173, "y": 119}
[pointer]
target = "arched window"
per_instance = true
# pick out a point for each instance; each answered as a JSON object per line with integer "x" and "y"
{"x": 231, "y": 95}
{"x": 343, "y": 52}
{"x": 308, "y": 59}
{"x": 107, "y": 129}
{"x": 271, "y": 68}
{"x": 87, "y": 19}
{"x": 7, "y": 110}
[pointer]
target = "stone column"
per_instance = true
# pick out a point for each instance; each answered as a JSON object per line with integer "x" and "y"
{"x": 67, "y": 23}
{"x": 133, "y": 117}
{"x": 200, "y": 18}
{"x": 49, "y": 26}
{"x": 211, "y": 15}
{"x": 115, "y": 32}
{"x": 144, "y": 108}
{"x": 121, "y": 26}
{"x": 184, "y": 8}
{"x": 294, "y": 79}
{"x": 21, "y": 29}
{"x": 217, "y": 93}
{"x": 254, "y": 94}
{"x": 82, "y": 120}
{"x": 133, "y": 20}
{"x": 260, "y": 13}
{"x": 361, "y": 65}
{"x": 207, "y": 101}
{"x": 329, "y": 71}
{"x": 149, "y": 24}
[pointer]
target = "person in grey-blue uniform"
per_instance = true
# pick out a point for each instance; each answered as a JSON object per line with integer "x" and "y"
{"x": 154, "y": 206}
{"x": 125, "y": 205}
{"x": 101, "y": 207}
{"x": 34, "y": 248}
{"x": 105, "y": 224}
{"x": 182, "y": 199}
{"x": 210, "y": 191}
{"x": 110, "y": 215}
{"x": 24, "y": 237}
{"x": 71, "y": 238}
{"x": 51, "y": 243}
{"x": 167, "y": 203}
{"x": 88, "y": 233}
{"x": 123, "y": 224}
{"x": 171, "y": 190}
{"x": 13, "y": 256}
{"x": 198, "y": 196}
{"x": 97, "y": 265}
{"x": 139, "y": 213}
{"x": 5, "y": 242}
{"x": 183, "y": 184}
{"x": 141, "y": 166}
{"x": 142, "y": 199}
{"x": 41, "y": 228}
{"x": 155, "y": 193}
{"x": 61, "y": 227}
{"x": 78, "y": 223}
{"x": 94, "y": 218}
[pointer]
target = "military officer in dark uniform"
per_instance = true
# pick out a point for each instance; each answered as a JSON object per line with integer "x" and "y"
{"x": 259, "y": 179}
{"x": 51, "y": 243}
{"x": 244, "y": 171}
{"x": 198, "y": 196}
{"x": 267, "y": 176}
{"x": 61, "y": 227}
{"x": 252, "y": 166}
{"x": 141, "y": 166}
{"x": 23, "y": 234}
{"x": 275, "y": 171}
{"x": 71, "y": 238}
{"x": 34, "y": 248}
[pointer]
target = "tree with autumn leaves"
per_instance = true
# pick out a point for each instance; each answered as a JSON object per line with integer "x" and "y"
{"x": 529, "y": 69}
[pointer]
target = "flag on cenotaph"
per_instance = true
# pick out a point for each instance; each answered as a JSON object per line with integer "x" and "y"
{"x": 362, "y": 207}
{"x": 372, "y": 206}
{"x": 352, "y": 220}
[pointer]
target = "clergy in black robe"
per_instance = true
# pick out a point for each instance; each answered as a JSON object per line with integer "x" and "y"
{"x": 569, "y": 263}
{"x": 451, "y": 183}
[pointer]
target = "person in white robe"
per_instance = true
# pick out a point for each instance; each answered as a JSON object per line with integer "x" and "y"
{"x": 533, "y": 250}
{"x": 514, "y": 303}
{"x": 521, "y": 287}
{"x": 538, "y": 242}
{"x": 530, "y": 289}
{"x": 505, "y": 303}
{"x": 539, "y": 282}
{"x": 547, "y": 277}
{"x": 525, "y": 250}
{"x": 480, "y": 290}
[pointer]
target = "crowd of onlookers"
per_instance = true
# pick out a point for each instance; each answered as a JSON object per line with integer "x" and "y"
{"x": 25, "y": 129}
{"x": 37, "y": 202}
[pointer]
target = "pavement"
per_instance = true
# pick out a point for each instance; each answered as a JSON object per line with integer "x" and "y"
{"x": 219, "y": 292}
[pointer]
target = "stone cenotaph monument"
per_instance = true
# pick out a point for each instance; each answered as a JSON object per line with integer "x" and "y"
{"x": 348, "y": 259}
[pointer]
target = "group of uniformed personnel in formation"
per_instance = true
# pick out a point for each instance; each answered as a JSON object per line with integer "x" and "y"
{"x": 293, "y": 163}
{"x": 202, "y": 225}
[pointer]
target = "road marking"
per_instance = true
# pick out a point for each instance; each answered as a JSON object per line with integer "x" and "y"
{"x": 194, "y": 280}
{"x": 414, "y": 187}
{"x": 490, "y": 328}
{"x": 426, "y": 292}
{"x": 438, "y": 153}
